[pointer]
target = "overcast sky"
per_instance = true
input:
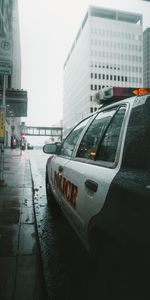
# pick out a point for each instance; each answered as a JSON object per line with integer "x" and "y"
{"x": 47, "y": 30}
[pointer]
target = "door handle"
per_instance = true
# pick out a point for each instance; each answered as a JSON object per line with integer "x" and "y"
{"x": 92, "y": 185}
{"x": 60, "y": 169}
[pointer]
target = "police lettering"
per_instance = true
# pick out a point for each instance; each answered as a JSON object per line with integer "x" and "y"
{"x": 66, "y": 188}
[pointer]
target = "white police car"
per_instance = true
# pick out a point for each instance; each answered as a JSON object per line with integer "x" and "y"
{"x": 100, "y": 174}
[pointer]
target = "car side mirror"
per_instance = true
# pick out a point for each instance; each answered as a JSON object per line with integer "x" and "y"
{"x": 50, "y": 148}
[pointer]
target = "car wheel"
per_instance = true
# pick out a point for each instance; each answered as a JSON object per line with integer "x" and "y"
{"x": 50, "y": 198}
{"x": 112, "y": 270}
{"x": 99, "y": 267}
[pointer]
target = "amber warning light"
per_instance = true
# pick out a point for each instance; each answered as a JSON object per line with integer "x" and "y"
{"x": 142, "y": 91}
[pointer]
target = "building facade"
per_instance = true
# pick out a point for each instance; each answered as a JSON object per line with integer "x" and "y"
{"x": 10, "y": 35}
{"x": 107, "y": 51}
{"x": 146, "y": 58}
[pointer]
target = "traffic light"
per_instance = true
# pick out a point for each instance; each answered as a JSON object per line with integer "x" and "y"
{"x": 23, "y": 136}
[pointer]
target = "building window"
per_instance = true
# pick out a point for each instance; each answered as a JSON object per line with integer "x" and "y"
{"x": 91, "y": 109}
{"x": 9, "y": 81}
{"x": 1, "y": 81}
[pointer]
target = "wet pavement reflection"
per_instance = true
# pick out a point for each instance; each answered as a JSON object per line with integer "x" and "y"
{"x": 20, "y": 266}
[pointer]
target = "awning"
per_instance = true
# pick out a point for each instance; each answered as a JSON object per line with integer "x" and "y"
{"x": 16, "y": 102}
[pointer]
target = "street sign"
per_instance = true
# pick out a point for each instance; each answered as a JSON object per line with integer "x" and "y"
{"x": 5, "y": 67}
{"x": 2, "y": 124}
{"x": 5, "y": 56}
{"x": 6, "y": 41}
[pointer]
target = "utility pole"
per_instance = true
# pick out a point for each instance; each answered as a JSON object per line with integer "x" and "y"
{"x": 6, "y": 57}
{"x": 3, "y": 119}
{"x": 2, "y": 130}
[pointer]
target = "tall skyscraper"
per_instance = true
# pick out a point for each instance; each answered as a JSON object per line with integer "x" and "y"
{"x": 146, "y": 58}
{"x": 107, "y": 51}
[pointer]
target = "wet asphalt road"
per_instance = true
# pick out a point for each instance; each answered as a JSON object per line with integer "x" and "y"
{"x": 67, "y": 267}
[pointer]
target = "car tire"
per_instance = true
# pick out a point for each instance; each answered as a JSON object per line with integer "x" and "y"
{"x": 112, "y": 270}
{"x": 50, "y": 199}
{"x": 99, "y": 269}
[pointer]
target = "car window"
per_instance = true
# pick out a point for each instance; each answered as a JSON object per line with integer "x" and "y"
{"x": 71, "y": 140}
{"x": 93, "y": 135}
{"x": 108, "y": 147}
{"x": 101, "y": 139}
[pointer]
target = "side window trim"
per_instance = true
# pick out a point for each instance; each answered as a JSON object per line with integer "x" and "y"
{"x": 110, "y": 121}
{"x": 106, "y": 129}
{"x": 122, "y": 135}
{"x": 83, "y": 132}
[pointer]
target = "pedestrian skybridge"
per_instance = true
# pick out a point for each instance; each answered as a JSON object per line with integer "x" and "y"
{"x": 42, "y": 131}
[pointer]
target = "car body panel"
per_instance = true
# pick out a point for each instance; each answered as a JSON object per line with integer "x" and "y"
{"x": 102, "y": 196}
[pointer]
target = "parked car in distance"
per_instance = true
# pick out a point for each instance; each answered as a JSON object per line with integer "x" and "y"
{"x": 29, "y": 146}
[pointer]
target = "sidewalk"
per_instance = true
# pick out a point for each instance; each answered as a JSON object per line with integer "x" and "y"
{"x": 20, "y": 267}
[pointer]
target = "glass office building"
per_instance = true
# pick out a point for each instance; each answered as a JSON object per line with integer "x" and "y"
{"x": 146, "y": 58}
{"x": 107, "y": 51}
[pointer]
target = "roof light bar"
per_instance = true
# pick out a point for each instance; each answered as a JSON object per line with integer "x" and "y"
{"x": 118, "y": 93}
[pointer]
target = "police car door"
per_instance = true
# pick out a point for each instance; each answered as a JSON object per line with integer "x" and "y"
{"x": 59, "y": 178}
{"x": 94, "y": 166}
